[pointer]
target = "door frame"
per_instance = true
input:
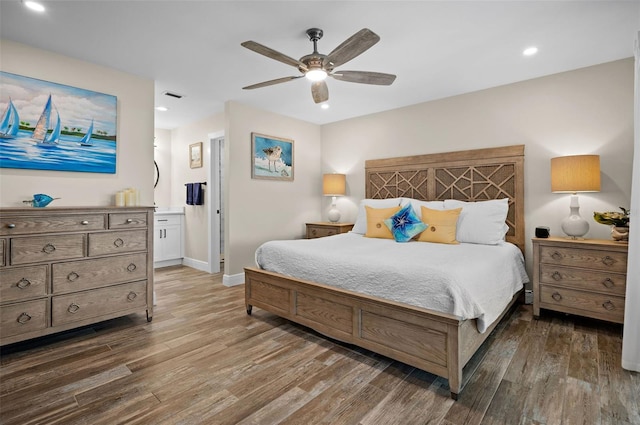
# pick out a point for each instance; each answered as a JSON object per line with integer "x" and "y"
{"x": 213, "y": 196}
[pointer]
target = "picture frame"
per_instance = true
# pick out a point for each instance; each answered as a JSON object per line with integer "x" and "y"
{"x": 55, "y": 127}
{"x": 272, "y": 158}
{"x": 195, "y": 155}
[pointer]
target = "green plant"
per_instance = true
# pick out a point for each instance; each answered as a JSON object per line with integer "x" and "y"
{"x": 613, "y": 217}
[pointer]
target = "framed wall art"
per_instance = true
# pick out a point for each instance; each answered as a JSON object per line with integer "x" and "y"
{"x": 51, "y": 126}
{"x": 271, "y": 157}
{"x": 195, "y": 155}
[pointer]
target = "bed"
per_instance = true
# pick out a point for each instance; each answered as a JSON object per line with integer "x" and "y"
{"x": 437, "y": 342}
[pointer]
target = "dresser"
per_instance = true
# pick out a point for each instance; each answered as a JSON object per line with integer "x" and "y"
{"x": 322, "y": 229}
{"x": 61, "y": 268}
{"x": 582, "y": 277}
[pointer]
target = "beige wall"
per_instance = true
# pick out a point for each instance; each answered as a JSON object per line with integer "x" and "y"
{"x": 134, "y": 167}
{"x": 196, "y": 216}
{"x": 587, "y": 111}
{"x": 261, "y": 210}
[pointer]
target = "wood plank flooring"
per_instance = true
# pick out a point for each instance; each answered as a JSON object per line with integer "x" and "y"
{"x": 204, "y": 361}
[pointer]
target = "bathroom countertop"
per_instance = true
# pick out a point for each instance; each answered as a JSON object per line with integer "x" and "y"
{"x": 169, "y": 211}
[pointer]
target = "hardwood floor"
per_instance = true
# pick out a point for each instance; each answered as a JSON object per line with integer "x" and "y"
{"x": 204, "y": 361}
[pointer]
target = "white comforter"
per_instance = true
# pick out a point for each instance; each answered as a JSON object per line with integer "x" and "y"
{"x": 467, "y": 280}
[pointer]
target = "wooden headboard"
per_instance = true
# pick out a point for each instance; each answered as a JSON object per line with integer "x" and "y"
{"x": 473, "y": 175}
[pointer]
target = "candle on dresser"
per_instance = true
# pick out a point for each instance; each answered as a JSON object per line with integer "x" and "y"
{"x": 130, "y": 197}
{"x": 119, "y": 199}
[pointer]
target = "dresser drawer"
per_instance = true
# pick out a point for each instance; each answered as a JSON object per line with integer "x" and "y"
{"x": 98, "y": 302}
{"x": 88, "y": 274}
{"x": 127, "y": 221}
{"x": 582, "y": 279}
{"x": 117, "y": 242}
{"x": 587, "y": 258}
{"x": 37, "y": 249}
{"x": 600, "y": 306}
{"x": 51, "y": 224}
{"x": 22, "y": 283}
{"x": 23, "y": 317}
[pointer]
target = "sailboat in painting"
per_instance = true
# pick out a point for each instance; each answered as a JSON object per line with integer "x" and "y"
{"x": 10, "y": 123}
{"x": 42, "y": 127}
{"x": 86, "y": 140}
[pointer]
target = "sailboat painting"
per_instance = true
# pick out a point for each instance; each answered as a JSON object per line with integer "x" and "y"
{"x": 55, "y": 127}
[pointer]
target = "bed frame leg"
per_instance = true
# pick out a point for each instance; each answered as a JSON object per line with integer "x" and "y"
{"x": 454, "y": 396}
{"x": 249, "y": 308}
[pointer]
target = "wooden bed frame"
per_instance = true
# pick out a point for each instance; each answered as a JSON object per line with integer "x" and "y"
{"x": 429, "y": 340}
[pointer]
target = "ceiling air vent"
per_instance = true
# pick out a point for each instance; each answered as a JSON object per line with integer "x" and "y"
{"x": 175, "y": 95}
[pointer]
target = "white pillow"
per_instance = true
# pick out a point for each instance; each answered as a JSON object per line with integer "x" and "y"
{"x": 416, "y": 204}
{"x": 482, "y": 222}
{"x": 360, "y": 225}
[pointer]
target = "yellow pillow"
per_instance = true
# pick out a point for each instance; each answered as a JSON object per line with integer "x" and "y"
{"x": 375, "y": 222}
{"x": 442, "y": 225}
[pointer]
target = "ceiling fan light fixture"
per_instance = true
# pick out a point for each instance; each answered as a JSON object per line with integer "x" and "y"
{"x": 316, "y": 74}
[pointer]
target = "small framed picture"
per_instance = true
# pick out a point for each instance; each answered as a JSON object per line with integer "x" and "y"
{"x": 195, "y": 155}
{"x": 271, "y": 157}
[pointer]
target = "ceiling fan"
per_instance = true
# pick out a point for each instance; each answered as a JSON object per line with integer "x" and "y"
{"x": 316, "y": 66}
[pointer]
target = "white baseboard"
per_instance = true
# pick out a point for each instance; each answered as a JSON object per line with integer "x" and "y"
{"x": 196, "y": 264}
{"x": 167, "y": 263}
{"x": 233, "y": 280}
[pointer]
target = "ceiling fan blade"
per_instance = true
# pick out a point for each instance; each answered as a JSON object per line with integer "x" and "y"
{"x": 351, "y": 47}
{"x": 273, "y": 54}
{"x": 271, "y": 82}
{"x": 320, "y": 91}
{"x": 365, "y": 77}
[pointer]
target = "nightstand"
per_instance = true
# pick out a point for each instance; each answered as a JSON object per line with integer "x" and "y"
{"x": 320, "y": 230}
{"x": 583, "y": 277}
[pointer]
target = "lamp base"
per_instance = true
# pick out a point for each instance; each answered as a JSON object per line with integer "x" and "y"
{"x": 334, "y": 214}
{"x": 575, "y": 226}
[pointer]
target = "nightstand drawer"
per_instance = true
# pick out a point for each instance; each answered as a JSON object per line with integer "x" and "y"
{"x": 586, "y": 258}
{"x": 582, "y": 279}
{"x": 589, "y": 304}
{"x": 320, "y": 232}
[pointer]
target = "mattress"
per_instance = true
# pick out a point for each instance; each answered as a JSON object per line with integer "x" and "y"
{"x": 470, "y": 281}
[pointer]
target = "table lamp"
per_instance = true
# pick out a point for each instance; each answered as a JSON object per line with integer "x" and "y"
{"x": 573, "y": 174}
{"x": 334, "y": 185}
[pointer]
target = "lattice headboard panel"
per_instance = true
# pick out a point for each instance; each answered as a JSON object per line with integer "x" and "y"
{"x": 474, "y": 175}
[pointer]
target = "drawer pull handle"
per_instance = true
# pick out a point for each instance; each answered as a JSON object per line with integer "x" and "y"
{"x": 48, "y": 248}
{"x": 314, "y": 232}
{"x": 72, "y": 276}
{"x": 608, "y": 283}
{"x": 73, "y": 308}
{"x": 131, "y": 267}
{"x": 608, "y": 261}
{"x": 23, "y": 318}
{"x": 556, "y": 276}
{"x": 556, "y": 296}
{"x": 84, "y": 222}
{"x": 11, "y": 226}
{"x": 608, "y": 305}
{"x": 132, "y": 296}
{"x": 118, "y": 243}
{"x": 556, "y": 255}
{"x": 23, "y": 283}
{"x": 129, "y": 221}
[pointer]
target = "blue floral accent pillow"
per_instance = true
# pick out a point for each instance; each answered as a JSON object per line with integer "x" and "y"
{"x": 405, "y": 224}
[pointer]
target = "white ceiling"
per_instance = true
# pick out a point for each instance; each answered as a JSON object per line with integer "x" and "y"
{"x": 436, "y": 48}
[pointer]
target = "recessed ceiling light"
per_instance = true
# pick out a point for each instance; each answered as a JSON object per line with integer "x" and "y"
{"x": 530, "y": 51}
{"x": 162, "y": 108}
{"x": 33, "y": 5}
{"x": 325, "y": 106}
